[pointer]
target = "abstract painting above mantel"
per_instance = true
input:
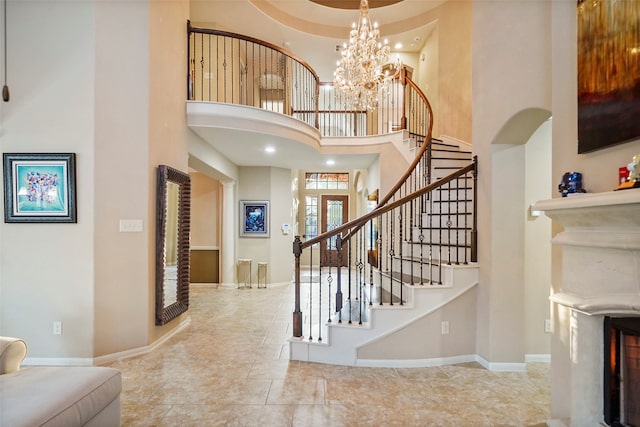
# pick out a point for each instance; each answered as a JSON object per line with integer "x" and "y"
{"x": 608, "y": 73}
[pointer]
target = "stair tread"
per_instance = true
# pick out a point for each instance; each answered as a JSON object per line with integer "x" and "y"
{"x": 447, "y": 213}
{"x": 445, "y": 245}
{"x": 440, "y": 228}
{"x": 412, "y": 280}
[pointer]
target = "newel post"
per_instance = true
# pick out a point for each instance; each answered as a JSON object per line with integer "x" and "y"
{"x": 339, "y": 274}
{"x": 403, "y": 80}
{"x": 297, "y": 314}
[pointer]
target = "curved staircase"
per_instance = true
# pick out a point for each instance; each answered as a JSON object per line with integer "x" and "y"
{"x": 416, "y": 306}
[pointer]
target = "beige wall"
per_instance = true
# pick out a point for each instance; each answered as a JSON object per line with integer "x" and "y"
{"x": 423, "y": 339}
{"x": 123, "y": 277}
{"x": 47, "y": 270}
{"x": 537, "y": 246}
{"x": 511, "y": 85}
{"x": 167, "y": 122}
{"x": 270, "y": 184}
{"x": 116, "y": 99}
{"x": 428, "y": 77}
{"x": 454, "y": 70}
{"x": 206, "y": 210}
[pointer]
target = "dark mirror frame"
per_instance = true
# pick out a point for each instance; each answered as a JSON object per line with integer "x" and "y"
{"x": 165, "y": 175}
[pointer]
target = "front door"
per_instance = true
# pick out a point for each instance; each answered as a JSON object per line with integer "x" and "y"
{"x": 335, "y": 212}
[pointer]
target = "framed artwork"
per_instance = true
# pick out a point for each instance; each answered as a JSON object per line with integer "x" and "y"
{"x": 39, "y": 187}
{"x": 254, "y": 218}
{"x": 608, "y": 73}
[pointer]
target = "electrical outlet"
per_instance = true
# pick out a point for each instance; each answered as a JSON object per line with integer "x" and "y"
{"x": 444, "y": 327}
{"x": 547, "y": 326}
{"x": 57, "y": 327}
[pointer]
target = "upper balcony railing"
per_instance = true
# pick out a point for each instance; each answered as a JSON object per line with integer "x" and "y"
{"x": 236, "y": 69}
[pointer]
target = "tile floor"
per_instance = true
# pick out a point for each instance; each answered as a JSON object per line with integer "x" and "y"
{"x": 230, "y": 367}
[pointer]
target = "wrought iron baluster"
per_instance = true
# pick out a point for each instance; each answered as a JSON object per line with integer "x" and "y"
{"x": 349, "y": 260}
{"x": 311, "y": 293}
{"x": 390, "y": 240}
{"x": 329, "y": 280}
{"x": 320, "y": 297}
{"x": 449, "y": 223}
{"x": 202, "y": 67}
{"x": 339, "y": 277}
{"x": 380, "y": 257}
{"x": 372, "y": 244}
{"x": 457, "y": 229}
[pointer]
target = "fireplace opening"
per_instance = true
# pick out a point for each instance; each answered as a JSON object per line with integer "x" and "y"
{"x": 622, "y": 371}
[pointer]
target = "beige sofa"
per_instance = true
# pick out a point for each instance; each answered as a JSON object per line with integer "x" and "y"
{"x": 55, "y": 396}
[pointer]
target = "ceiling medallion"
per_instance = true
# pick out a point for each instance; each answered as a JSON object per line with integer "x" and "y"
{"x": 354, "y": 4}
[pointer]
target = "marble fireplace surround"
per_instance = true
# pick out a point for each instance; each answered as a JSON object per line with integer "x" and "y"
{"x": 600, "y": 276}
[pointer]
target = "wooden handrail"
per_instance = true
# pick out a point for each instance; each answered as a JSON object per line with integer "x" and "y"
{"x": 355, "y": 224}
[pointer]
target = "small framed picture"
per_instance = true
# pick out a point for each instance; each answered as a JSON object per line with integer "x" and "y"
{"x": 254, "y": 218}
{"x": 39, "y": 187}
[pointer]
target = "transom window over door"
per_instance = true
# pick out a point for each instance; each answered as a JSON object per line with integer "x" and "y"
{"x": 326, "y": 181}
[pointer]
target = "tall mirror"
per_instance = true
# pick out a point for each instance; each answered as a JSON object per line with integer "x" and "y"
{"x": 173, "y": 213}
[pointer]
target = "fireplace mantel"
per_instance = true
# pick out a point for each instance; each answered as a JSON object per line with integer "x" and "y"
{"x": 602, "y": 271}
{"x": 600, "y": 276}
{"x": 615, "y": 210}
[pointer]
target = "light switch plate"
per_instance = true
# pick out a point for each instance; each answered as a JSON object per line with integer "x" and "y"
{"x": 130, "y": 225}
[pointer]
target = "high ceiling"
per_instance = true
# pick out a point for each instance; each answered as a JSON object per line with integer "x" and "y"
{"x": 313, "y": 31}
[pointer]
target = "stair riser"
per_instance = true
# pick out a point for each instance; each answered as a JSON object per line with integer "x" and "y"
{"x": 445, "y": 221}
{"x": 427, "y": 272}
{"x": 462, "y": 191}
{"x": 451, "y": 274}
{"x": 437, "y": 164}
{"x": 392, "y": 289}
{"x": 438, "y": 155}
{"x": 436, "y": 252}
{"x": 448, "y": 206}
{"x": 456, "y": 237}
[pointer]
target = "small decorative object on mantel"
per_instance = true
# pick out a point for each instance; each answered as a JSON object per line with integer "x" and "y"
{"x": 571, "y": 184}
{"x": 633, "y": 179}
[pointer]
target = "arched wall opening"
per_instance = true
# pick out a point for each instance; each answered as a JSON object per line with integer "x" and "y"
{"x": 521, "y": 249}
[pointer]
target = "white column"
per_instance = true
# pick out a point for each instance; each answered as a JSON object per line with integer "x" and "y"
{"x": 229, "y": 227}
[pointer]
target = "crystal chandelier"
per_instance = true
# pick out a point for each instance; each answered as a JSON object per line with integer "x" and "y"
{"x": 362, "y": 73}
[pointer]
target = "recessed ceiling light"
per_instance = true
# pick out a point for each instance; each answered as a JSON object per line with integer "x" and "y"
{"x": 398, "y": 46}
{"x": 330, "y": 162}
{"x": 270, "y": 149}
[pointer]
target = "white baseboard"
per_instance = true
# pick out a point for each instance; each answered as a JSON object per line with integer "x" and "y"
{"x": 88, "y": 361}
{"x": 537, "y": 358}
{"x": 415, "y": 363}
{"x": 442, "y": 361}
{"x": 142, "y": 350}
{"x": 501, "y": 366}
